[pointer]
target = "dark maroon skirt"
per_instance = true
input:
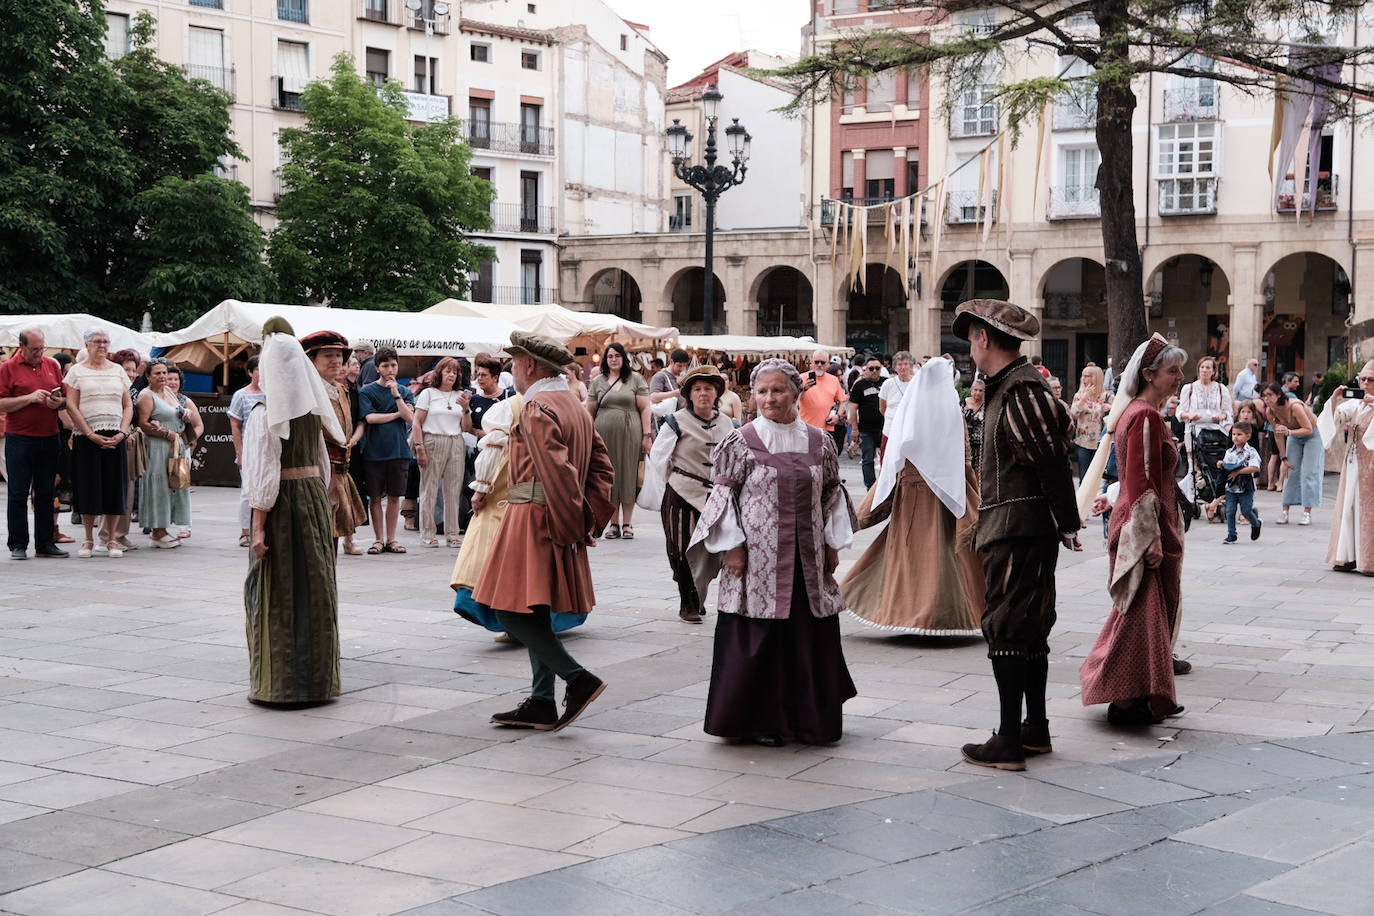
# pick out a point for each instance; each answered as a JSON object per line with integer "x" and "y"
{"x": 779, "y": 677}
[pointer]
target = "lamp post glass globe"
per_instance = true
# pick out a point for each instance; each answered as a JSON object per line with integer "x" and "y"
{"x": 735, "y": 135}
{"x": 677, "y": 140}
{"x": 710, "y": 102}
{"x": 414, "y": 5}
{"x": 441, "y": 9}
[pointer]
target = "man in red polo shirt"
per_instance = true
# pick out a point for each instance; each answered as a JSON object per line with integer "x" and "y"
{"x": 31, "y": 394}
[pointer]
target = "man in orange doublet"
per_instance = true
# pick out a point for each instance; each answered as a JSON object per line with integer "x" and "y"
{"x": 559, "y": 494}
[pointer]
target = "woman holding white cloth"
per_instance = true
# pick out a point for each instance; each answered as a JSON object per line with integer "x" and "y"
{"x": 921, "y": 575}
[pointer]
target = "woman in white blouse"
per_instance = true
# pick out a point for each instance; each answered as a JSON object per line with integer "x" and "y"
{"x": 1206, "y": 403}
{"x": 101, "y": 410}
{"x": 440, "y": 419}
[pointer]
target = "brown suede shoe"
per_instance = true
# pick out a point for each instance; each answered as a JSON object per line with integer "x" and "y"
{"x": 531, "y": 713}
{"x": 581, "y": 691}
{"x": 1035, "y": 738}
{"x": 999, "y": 752}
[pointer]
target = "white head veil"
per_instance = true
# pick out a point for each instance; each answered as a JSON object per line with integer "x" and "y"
{"x": 928, "y": 431}
{"x": 292, "y": 385}
{"x": 1127, "y": 390}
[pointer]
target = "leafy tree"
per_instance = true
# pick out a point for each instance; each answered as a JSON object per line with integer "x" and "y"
{"x": 375, "y": 210}
{"x": 61, "y": 156}
{"x": 197, "y": 246}
{"x": 84, "y": 143}
{"x": 1131, "y": 38}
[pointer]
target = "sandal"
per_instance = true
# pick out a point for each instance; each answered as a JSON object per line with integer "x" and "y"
{"x": 376, "y": 548}
{"x": 351, "y": 549}
{"x": 429, "y": 542}
{"x": 393, "y": 547}
{"x": 456, "y": 542}
{"x": 627, "y": 532}
{"x": 64, "y": 538}
{"x": 612, "y": 531}
{"x": 243, "y": 540}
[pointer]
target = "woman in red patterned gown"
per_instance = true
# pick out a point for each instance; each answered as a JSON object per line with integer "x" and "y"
{"x": 1131, "y": 666}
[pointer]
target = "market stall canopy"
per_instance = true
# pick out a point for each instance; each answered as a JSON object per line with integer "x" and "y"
{"x": 758, "y": 347}
{"x": 556, "y": 321}
{"x": 225, "y": 330}
{"x": 66, "y": 332}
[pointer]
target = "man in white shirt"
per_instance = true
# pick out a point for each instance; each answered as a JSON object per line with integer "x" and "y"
{"x": 1246, "y": 379}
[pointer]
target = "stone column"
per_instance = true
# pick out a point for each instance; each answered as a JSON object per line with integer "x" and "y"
{"x": 570, "y": 286}
{"x": 899, "y": 166}
{"x": 1362, "y": 296}
{"x": 1022, "y": 284}
{"x": 831, "y": 310}
{"x": 1247, "y": 308}
{"x": 739, "y": 311}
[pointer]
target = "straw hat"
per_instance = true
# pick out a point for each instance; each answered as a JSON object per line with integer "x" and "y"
{"x": 702, "y": 374}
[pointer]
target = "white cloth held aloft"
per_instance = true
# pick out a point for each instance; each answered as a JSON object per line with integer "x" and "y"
{"x": 928, "y": 431}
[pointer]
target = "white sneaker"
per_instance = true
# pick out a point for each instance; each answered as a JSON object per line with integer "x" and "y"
{"x": 1283, "y": 517}
{"x": 1306, "y": 517}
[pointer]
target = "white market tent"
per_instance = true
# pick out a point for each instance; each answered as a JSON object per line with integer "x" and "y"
{"x": 67, "y": 332}
{"x": 227, "y": 329}
{"x": 738, "y": 345}
{"x": 555, "y": 321}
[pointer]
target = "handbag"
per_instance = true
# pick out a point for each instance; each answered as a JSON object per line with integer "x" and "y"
{"x": 178, "y": 466}
{"x": 137, "y": 445}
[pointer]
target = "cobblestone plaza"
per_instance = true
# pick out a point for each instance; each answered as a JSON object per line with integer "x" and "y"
{"x": 136, "y": 778}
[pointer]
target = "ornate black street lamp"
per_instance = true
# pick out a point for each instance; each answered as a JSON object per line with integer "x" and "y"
{"x": 710, "y": 179}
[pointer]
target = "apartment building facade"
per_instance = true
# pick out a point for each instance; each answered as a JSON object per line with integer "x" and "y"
{"x": 1233, "y": 268}
{"x": 515, "y": 73}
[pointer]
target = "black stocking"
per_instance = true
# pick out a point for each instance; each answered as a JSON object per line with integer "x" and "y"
{"x": 1037, "y": 674}
{"x": 1010, "y": 673}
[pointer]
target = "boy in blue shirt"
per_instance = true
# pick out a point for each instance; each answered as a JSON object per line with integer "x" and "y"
{"x": 1241, "y": 463}
{"x": 388, "y": 409}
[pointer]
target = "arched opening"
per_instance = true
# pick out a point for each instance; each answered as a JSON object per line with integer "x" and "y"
{"x": 1306, "y": 301}
{"x": 688, "y": 294}
{"x": 614, "y": 292}
{"x": 877, "y": 318}
{"x": 967, "y": 280}
{"x": 1187, "y": 298}
{"x": 1074, "y": 330}
{"x": 785, "y": 303}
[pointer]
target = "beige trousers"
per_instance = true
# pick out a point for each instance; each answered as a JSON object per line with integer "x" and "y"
{"x": 447, "y": 460}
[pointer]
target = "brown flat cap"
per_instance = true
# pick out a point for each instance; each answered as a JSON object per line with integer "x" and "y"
{"x": 323, "y": 340}
{"x": 543, "y": 349}
{"x": 1004, "y": 316}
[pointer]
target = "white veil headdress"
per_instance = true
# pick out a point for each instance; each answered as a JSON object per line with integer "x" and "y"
{"x": 1126, "y": 390}
{"x": 928, "y": 431}
{"x": 292, "y": 386}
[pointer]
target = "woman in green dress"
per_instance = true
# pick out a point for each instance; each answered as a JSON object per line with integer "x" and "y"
{"x": 290, "y": 596}
{"x": 162, "y": 421}
{"x": 619, "y": 402}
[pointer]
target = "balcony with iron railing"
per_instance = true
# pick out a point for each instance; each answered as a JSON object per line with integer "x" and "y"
{"x": 419, "y": 21}
{"x": 219, "y": 77}
{"x": 830, "y": 206}
{"x": 284, "y": 100}
{"x": 520, "y": 217}
{"x": 509, "y": 295}
{"x": 278, "y": 186}
{"x": 382, "y": 11}
{"x": 963, "y": 207}
{"x": 509, "y": 137}
{"x": 1188, "y": 196}
{"x": 1073, "y": 202}
{"x": 293, "y": 10}
{"x": 1327, "y": 187}
{"x": 1075, "y": 114}
{"x": 1191, "y": 104}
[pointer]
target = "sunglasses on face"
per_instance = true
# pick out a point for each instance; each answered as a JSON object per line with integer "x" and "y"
{"x": 1366, "y": 380}
{"x": 820, "y": 362}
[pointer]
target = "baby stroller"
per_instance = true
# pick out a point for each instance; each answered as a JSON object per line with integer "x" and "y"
{"x": 1206, "y": 447}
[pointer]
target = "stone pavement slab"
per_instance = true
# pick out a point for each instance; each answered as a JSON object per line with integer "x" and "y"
{"x": 128, "y": 751}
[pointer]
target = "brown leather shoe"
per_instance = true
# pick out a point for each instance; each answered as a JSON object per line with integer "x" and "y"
{"x": 687, "y": 615}
{"x": 581, "y": 691}
{"x": 998, "y": 752}
{"x": 531, "y": 713}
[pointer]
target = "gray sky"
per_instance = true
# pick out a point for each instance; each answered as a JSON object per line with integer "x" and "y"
{"x": 693, "y": 33}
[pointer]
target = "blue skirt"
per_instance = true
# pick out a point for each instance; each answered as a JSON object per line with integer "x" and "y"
{"x": 484, "y": 616}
